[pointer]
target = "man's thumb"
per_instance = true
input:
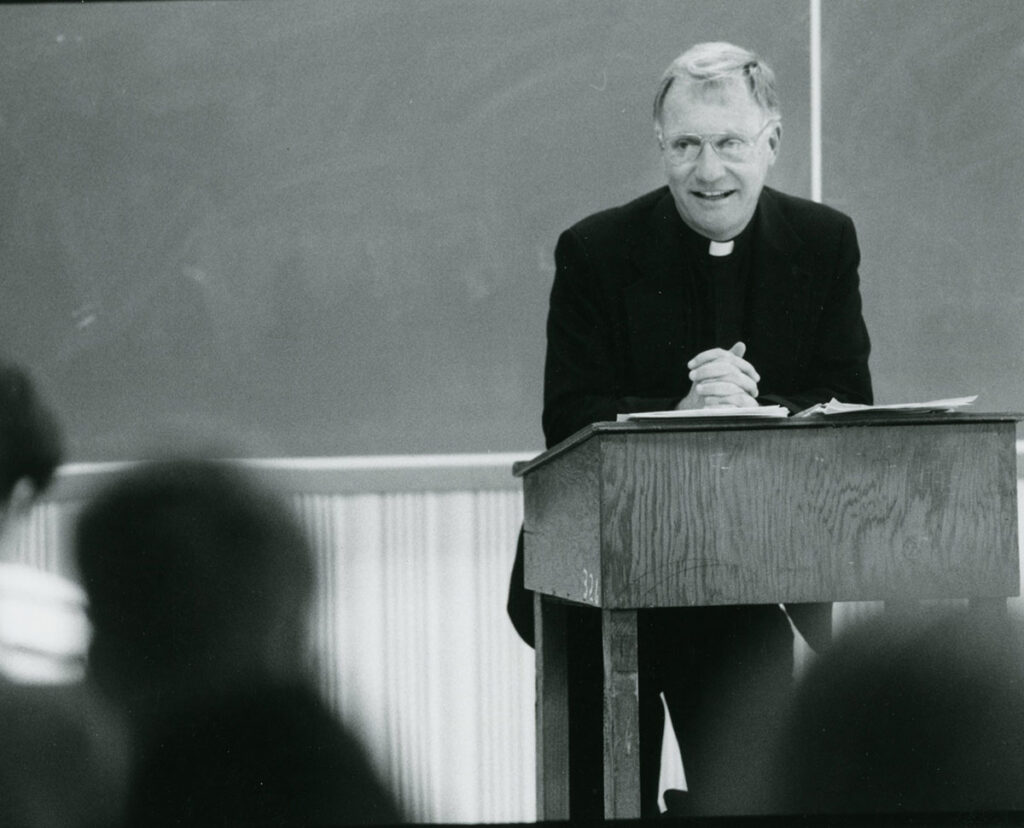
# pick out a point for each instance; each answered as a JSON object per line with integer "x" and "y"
{"x": 739, "y": 349}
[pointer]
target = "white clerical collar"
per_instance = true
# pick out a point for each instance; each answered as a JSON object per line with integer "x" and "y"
{"x": 716, "y": 248}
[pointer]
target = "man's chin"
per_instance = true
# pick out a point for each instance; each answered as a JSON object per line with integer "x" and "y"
{"x": 717, "y": 230}
{"x": 719, "y": 223}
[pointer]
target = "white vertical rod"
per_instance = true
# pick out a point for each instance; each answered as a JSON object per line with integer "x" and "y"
{"x": 815, "y": 9}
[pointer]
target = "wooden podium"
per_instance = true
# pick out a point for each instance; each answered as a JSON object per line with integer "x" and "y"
{"x": 625, "y": 516}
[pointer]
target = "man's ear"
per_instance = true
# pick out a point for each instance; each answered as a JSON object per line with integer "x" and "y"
{"x": 775, "y": 139}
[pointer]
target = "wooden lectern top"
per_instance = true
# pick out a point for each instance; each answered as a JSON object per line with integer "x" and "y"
{"x": 869, "y": 419}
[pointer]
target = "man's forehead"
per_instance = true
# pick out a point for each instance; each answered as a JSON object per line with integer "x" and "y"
{"x": 728, "y": 91}
{"x": 729, "y": 94}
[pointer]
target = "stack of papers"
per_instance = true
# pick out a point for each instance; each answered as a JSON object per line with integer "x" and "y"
{"x": 723, "y": 411}
{"x": 833, "y": 406}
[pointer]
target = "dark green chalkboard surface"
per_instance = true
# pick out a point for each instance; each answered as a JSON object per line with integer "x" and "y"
{"x": 326, "y": 228}
{"x": 322, "y": 228}
{"x": 923, "y": 143}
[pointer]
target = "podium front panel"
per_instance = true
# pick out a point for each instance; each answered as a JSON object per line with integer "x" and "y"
{"x": 763, "y": 515}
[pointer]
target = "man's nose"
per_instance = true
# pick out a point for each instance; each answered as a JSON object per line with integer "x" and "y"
{"x": 708, "y": 165}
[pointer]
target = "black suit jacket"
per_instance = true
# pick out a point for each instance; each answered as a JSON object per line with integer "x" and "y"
{"x": 621, "y": 325}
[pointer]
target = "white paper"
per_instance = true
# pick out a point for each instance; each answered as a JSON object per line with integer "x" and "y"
{"x": 833, "y": 406}
{"x": 719, "y": 411}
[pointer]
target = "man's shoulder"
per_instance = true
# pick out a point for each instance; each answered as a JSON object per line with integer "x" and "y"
{"x": 802, "y": 212}
{"x": 623, "y": 219}
{"x": 624, "y": 226}
{"x": 637, "y": 215}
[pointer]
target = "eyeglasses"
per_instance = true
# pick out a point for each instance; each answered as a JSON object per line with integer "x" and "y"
{"x": 686, "y": 147}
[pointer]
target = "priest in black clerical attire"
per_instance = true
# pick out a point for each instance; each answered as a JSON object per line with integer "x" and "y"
{"x": 713, "y": 291}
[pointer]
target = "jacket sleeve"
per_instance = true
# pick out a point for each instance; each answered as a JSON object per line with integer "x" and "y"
{"x": 837, "y": 362}
{"x": 584, "y": 368}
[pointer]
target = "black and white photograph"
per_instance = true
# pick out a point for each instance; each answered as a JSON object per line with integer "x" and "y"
{"x": 511, "y": 411}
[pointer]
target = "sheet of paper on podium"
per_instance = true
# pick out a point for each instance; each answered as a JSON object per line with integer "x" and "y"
{"x": 718, "y": 411}
{"x": 833, "y": 406}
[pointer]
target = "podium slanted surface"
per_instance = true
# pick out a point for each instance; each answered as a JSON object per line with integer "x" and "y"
{"x": 628, "y": 516}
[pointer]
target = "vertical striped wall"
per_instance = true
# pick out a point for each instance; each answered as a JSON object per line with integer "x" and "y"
{"x": 417, "y": 653}
{"x": 41, "y": 539}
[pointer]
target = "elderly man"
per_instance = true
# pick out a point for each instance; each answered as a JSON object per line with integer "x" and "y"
{"x": 713, "y": 291}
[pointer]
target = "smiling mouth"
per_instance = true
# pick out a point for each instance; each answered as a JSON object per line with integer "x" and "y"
{"x": 711, "y": 195}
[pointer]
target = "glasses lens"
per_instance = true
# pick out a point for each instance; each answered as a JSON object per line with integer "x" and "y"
{"x": 685, "y": 148}
{"x": 731, "y": 147}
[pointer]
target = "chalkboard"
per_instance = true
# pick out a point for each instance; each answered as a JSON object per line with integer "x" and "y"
{"x": 326, "y": 228}
{"x": 923, "y": 141}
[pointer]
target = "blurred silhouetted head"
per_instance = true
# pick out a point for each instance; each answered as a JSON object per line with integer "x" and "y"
{"x": 198, "y": 578}
{"x": 30, "y": 441}
{"x": 908, "y": 716}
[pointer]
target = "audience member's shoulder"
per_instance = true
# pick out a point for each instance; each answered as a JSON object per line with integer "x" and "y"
{"x": 291, "y": 760}
{"x": 623, "y": 218}
{"x": 62, "y": 758}
{"x": 44, "y": 631}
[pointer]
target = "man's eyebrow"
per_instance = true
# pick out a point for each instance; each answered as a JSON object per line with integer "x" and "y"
{"x": 731, "y": 133}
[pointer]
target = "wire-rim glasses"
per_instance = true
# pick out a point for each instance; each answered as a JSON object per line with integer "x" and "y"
{"x": 686, "y": 147}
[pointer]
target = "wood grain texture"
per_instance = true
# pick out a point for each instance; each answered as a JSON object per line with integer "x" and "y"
{"x": 768, "y": 515}
{"x": 562, "y": 524}
{"x": 621, "y": 715}
{"x": 552, "y": 710}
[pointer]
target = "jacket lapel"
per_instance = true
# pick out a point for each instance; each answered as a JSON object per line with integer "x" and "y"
{"x": 658, "y": 253}
{"x": 779, "y": 296}
{"x": 659, "y": 300}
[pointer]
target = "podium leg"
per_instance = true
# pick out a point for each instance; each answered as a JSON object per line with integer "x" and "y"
{"x": 621, "y": 715}
{"x": 552, "y": 709}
